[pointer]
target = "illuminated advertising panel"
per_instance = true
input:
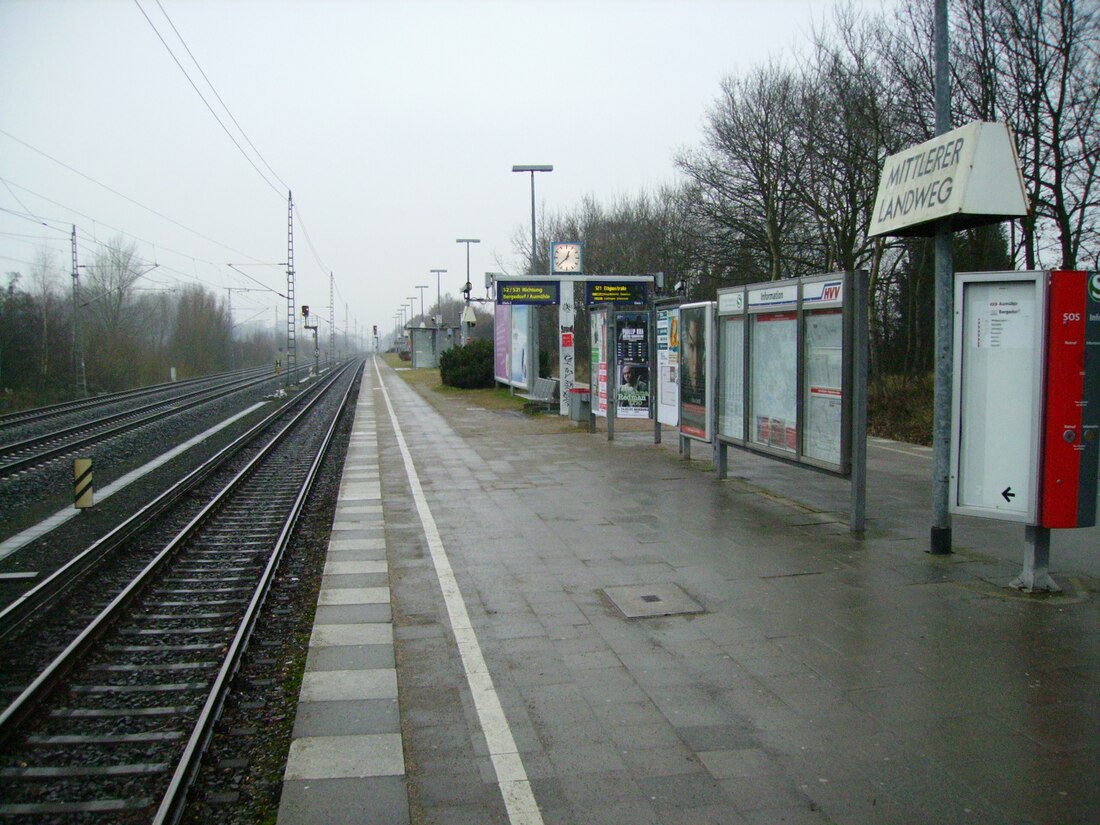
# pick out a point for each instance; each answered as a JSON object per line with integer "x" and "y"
{"x": 695, "y": 373}
{"x": 502, "y": 342}
{"x": 668, "y": 366}
{"x": 632, "y": 360}
{"x": 599, "y": 363}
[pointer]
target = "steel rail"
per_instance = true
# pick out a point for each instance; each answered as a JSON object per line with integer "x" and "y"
{"x": 40, "y": 597}
{"x": 33, "y": 414}
{"x": 175, "y": 797}
{"x": 31, "y": 696}
{"x": 136, "y": 418}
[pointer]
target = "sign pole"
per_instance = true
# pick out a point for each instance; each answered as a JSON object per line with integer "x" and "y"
{"x": 860, "y": 356}
{"x": 941, "y": 412}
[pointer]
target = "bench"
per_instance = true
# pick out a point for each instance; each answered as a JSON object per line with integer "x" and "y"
{"x": 545, "y": 392}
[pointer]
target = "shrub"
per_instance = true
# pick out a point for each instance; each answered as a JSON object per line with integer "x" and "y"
{"x": 900, "y": 407}
{"x": 469, "y": 367}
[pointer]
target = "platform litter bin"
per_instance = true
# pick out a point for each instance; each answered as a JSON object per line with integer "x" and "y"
{"x": 580, "y": 403}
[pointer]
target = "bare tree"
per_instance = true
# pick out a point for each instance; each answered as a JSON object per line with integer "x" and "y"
{"x": 44, "y": 292}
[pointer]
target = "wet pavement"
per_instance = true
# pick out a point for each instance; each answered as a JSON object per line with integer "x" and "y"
{"x": 819, "y": 677}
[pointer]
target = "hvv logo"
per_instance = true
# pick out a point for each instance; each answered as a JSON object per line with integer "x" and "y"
{"x": 822, "y": 292}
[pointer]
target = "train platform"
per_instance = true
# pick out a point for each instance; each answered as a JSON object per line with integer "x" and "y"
{"x": 525, "y": 623}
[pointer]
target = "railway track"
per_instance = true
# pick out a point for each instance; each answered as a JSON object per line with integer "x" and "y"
{"x": 26, "y": 453}
{"x": 113, "y": 728}
{"x": 35, "y": 415}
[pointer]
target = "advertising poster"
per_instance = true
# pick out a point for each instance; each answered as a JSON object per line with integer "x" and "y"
{"x": 599, "y": 362}
{"x": 731, "y": 393}
{"x": 502, "y": 341}
{"x": 519, "y": 365}
{"x": 668, "y": 366}
{"x": 775, "y": 381}
{"x": 823, "y": 397}
{"x": 632, "y": 358}
{"x": 694, "y": 327}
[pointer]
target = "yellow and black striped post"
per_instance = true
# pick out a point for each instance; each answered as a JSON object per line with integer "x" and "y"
{"x": 83, "y": 494}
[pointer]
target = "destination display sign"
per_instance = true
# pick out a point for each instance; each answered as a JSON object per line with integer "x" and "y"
{"x": 616, "y": 292}
{"x": 528, "y": 292}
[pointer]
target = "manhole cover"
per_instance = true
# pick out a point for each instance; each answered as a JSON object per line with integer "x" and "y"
{"x": 638, "y": 601}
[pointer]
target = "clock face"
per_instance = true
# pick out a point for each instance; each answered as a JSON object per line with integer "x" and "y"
{"x": 567, "y": 257}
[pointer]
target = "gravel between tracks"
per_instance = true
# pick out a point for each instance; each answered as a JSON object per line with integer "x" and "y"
{"x": 240, "y": 780}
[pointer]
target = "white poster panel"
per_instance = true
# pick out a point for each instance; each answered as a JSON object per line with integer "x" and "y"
{"x": 731, "y": 381}
{"x": 774, "y": 370}
{"x": 998, "y": 398}
{"x": 502, "y": 342}
{"x": 668, "y": 366}
{"x": 519, "y": 369}
{"x": 599, "y": 355}
{"x": 823, "y": 396}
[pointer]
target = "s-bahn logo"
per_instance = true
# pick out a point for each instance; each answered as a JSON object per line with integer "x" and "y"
{"x": 1094, "y": 286}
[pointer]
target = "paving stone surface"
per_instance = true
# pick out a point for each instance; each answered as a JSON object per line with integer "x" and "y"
{"x": 828, "y": 677}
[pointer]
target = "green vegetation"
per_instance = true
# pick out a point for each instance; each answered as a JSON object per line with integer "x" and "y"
{"x": 900, "y": 407}
{"x": 469, "y": 367}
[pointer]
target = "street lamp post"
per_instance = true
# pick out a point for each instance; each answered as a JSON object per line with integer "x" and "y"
{"x": 466, "y": 286}
{"x": 438, "y": 293}
{"x": 423, "y": 314}
{"x": 532, "y": 168}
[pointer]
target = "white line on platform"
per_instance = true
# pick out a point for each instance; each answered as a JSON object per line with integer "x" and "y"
{"x": 9, "y": 546}
{"x": 512, "y": 779}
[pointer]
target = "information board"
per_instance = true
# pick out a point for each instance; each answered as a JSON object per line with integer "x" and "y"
{"x": 632, "y": 360}
{"x": 774, "y": 388}
{"x": 668, "y": 366}
{"x": 731, "y": 378}
{"x": 785, "y": 369}
{"x": 823, "y": 393}
{"x": 998, "y": 395}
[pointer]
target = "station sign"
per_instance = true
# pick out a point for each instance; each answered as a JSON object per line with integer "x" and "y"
{"x": 969, "y": 176}
{"x": 529, "y": 293}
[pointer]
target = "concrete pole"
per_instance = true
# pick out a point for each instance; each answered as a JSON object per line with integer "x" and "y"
{"x": 941, "y": 413}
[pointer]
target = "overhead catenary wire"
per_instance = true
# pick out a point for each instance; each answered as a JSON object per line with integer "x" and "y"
{"x": 206, "y": 103}
{"x": 219, "y": 97}
{"x": 115, "y": 192}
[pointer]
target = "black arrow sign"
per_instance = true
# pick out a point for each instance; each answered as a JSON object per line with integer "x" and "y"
{"x": 1008, "y": 494}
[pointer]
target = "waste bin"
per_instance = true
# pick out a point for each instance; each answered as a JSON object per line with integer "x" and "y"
{"x": 580, "y": 404}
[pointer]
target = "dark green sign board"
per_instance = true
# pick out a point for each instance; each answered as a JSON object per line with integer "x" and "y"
{"x": 528, "y": 292}
{"x": 629, "y": 293}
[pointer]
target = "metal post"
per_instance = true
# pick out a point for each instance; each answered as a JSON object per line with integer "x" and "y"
{"x": 941, "y": 414}
{"x": 439, "y": 293}
{"x": 291, "y": 313}
{"x": 80, "y": 384}
{"x": 860, "y": 356}
{"x": 467, "y": 286}
{"x": 1035, "y": 577}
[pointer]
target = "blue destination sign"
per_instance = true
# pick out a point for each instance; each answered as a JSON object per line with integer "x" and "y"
{"x": 623, "y": 293}
{"x": 528, "y": 292}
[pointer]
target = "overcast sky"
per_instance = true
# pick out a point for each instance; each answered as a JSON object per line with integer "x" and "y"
{"x": 396, "y": 125}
